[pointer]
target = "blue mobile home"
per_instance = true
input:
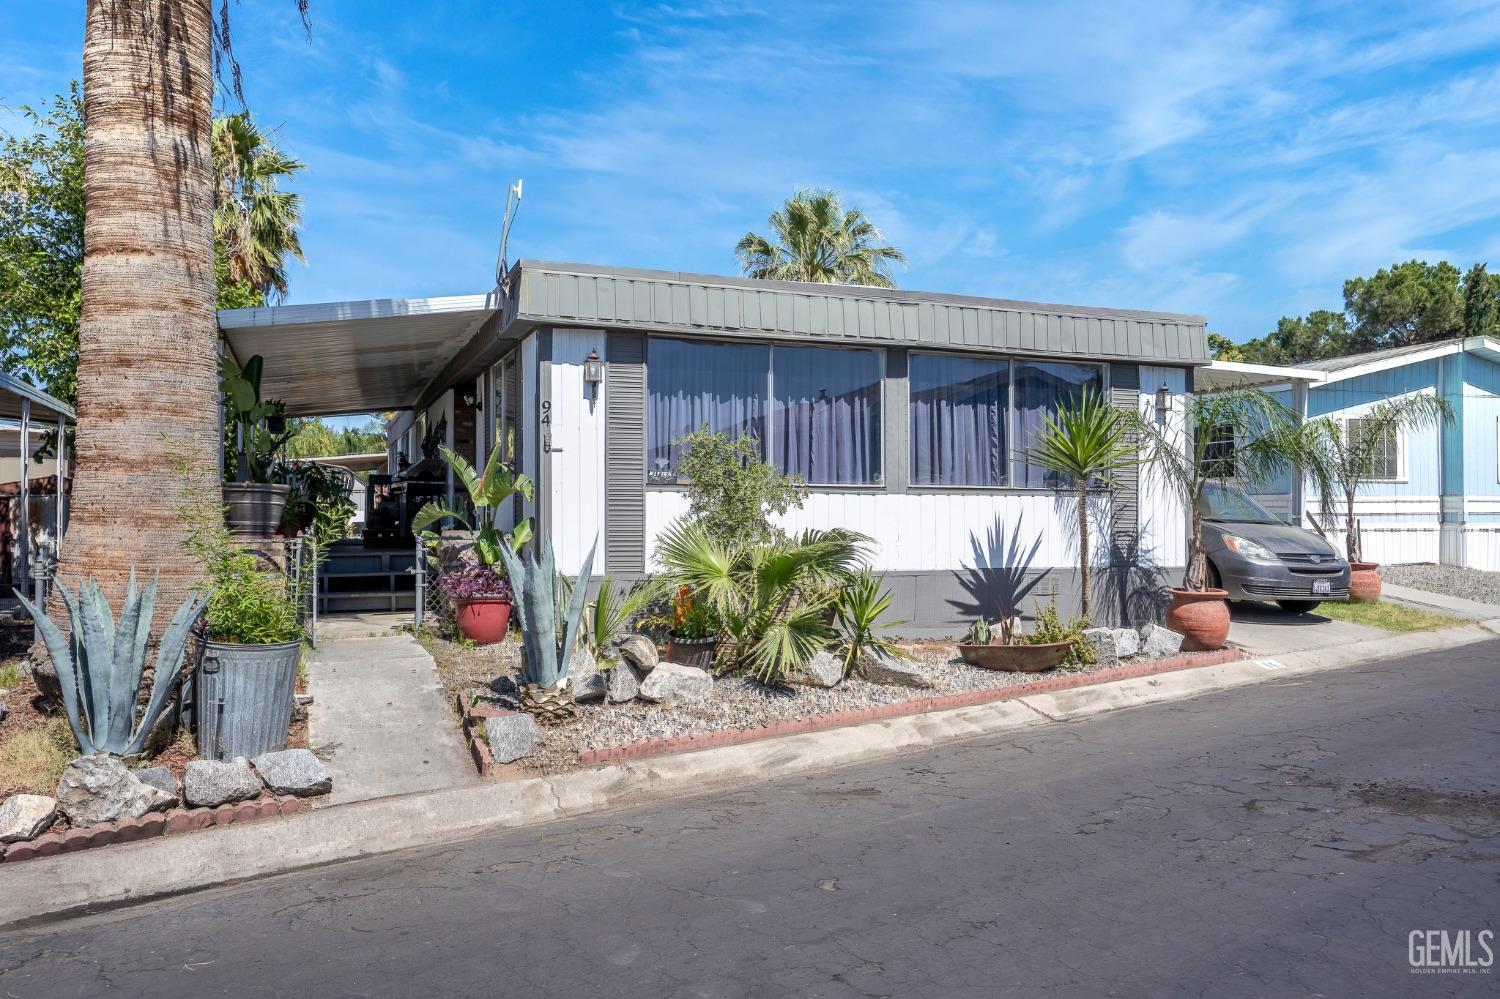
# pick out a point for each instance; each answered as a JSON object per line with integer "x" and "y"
{"x": 1437, "y": 498}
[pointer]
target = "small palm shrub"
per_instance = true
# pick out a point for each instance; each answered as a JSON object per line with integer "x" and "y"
{"x": 774, "y": 600}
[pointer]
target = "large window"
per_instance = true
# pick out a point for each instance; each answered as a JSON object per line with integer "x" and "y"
{"x": 693, "y": 384}
{"x": 825, "y": 414}
{"x": 820, "y": 405}
{"x": 1040, "y": 388}
{"x": 958, "y": 420}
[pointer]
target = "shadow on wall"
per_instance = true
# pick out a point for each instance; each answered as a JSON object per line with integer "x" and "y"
{"x": 1001, "y": 578}
{"x": 1133, "y": 591}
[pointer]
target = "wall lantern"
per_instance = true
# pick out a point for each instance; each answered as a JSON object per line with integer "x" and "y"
{"x": 1163, "y": 402}
{"x": 473, "y": 400}
{"x": 593, "y": 371}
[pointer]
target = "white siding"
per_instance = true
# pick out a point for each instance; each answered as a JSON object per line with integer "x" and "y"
{"x": 574, "y": 475}
{"x": 1163, "y": 515}
{"x": 922, "y": 532}
{"x": 528, "y": 411}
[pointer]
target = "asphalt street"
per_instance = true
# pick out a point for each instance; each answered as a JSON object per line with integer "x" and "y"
{"x": 1283, "y": 839}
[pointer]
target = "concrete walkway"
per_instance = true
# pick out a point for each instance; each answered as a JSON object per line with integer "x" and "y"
{"x": 1471, "y": 610}
{"x": 380, "y": 722}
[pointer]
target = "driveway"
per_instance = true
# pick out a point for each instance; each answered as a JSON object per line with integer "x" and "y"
{"x": 1267, "y": 630}
{"x": 1279, "y": 839}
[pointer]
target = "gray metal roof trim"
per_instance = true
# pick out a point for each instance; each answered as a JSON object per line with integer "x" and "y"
{"x": 898, "y": 295}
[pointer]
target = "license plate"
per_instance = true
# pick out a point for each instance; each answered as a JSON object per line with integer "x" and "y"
{"x": 1320, "y": 588}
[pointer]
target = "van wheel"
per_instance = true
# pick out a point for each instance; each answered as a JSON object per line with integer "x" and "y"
{"x": 1298, "y": 606}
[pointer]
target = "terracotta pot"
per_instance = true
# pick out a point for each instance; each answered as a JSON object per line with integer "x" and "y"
{"x": 1201, "y": 617}
{"x": 1015, "y": 658}
{"x": 1364, "y": 582}
{"x": 482, "y": 620}
{"x": 692, "y": 651}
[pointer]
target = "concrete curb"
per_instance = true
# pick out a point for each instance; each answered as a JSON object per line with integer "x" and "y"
{"x": 51, "y": 888}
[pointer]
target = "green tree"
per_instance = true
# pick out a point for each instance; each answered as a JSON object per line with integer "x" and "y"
{"x": 255, "y": 222}
{"x": 41, "y": 244}
{"x": 1481, "y": 302}
{"x": 731, "y": 491}
{"x": 813, "y": 238}
{"x": 313, "y": 438}
{"x": 1223, "y": 348}
{"x": 1297, "y": 340}
{"x": 41, "y": 234}
{"x": 1411, "y": 303}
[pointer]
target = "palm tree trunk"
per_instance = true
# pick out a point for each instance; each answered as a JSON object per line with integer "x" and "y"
{"x": 148, "y": 338}
{"x": 1351, "y": 531}
{"x": 1196, "y": 577}
{"x": 1085, "y": 584}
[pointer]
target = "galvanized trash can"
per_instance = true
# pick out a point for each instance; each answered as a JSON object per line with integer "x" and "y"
{"x": 243, "y": 697}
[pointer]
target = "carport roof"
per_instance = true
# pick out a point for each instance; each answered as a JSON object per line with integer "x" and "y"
{"x": 354, "y": 357}
{"x": 43, "y": 406}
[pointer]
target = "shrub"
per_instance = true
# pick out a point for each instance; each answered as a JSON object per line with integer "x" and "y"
{"x": 10, "y": 675}
{"x": 731, "y": 491}
{"x": 1050, "y": 627}
{"x": 471, "y": 581}
{"x": 774, "y": 600}
{"x": 692, "y": 620}
{"x": 860, "y": 611}
{"x": 33, "y": 762}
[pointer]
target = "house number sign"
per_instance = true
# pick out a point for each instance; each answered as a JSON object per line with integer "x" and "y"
{"x": 547, "y": 447}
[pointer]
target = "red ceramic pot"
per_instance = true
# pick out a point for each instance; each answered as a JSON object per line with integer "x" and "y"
{"x": 1364, "y": 582}
{"x": 1201, "y": 617}
{"x": 482, "y": 620}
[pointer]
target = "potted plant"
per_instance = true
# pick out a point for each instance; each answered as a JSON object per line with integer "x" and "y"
{"x": 251, "y": 642}
{"x": 1237, "y": 433}
{"x": 254, "y": 496}
{"x": 485, "y": 610}
{"x": 1013, "y": 652}
{"x": 1087, "y": 442}
{"x": 1348, "y": 454}
{"x": 694, "y": 638}
{"x": 481, "y": 597}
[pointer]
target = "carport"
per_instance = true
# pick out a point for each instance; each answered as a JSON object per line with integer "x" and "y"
{"x": 23, "y": 407}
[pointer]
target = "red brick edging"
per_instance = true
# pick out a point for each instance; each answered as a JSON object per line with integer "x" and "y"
{"x": 169, "y": 823}
{"x": 916, "y": 706}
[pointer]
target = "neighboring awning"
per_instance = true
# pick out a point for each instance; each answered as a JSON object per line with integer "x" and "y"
{"x": 1222, "y": 375}
{"x": 355, "y": 462}
{"x": 354, "y": 357}
{"x": 44, "y": 408}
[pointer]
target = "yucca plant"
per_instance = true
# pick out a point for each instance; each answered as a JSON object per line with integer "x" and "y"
{"x": 860, "y": 612}
{"x": 537, "y": 599}
{"x": 1088, "y": 441}
{"x": 487, "y": 492}
{"x": 773, "y": 600}
{"x": 100, "y": 666}
{"x": 611, "y": 613}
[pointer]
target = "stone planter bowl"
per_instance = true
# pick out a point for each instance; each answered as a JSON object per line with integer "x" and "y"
{"x": 1015, "y": 658}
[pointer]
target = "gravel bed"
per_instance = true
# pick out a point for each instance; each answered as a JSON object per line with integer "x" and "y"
{"x": 737, "y": 703}
{"x": 1450, "y": 580}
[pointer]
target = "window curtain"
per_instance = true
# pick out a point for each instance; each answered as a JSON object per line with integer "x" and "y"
{"x": 825, "y": 416}
{"x": 1041, "y": 386}
{"x": 957, "y": 420}
{"x": 691, "y": 384}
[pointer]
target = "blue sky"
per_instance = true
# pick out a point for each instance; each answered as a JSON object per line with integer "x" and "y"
{"x": 1238, "y": 161}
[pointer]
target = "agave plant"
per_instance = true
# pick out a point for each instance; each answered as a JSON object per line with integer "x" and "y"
{"x": 536, "y": 601}
{"x": 100, "y": 667}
